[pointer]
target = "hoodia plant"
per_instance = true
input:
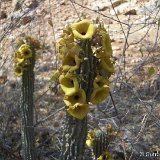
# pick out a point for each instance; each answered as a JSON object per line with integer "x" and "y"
{"x": 24, "y": 68}
{"x": 85, "y": 53}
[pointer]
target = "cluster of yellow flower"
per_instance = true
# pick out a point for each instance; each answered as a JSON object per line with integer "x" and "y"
{"x": 21, "y": 58}
{"x": 72, "y": 48}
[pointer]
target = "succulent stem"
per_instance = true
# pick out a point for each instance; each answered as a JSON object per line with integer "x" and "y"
{"x": 27, "y": 129}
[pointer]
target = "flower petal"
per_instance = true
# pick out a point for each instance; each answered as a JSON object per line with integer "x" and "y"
{"x": 25, "y": 51}
{"x": 78, "y": 96}
{"x": 70, "y": 62}
{"x": 100, "y": 81}
{"x": 18, "y": 71}
{"x": 79, "y": 110}
{"x": 107, "y": 65}
{"x": 69, "y": 83}
{"x": 99, "y": 94}
{"x": 83, "y": 29}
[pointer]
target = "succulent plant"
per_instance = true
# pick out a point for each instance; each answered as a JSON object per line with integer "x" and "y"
{"x": 24, "y": 68}
{"x": 84, "y": 51}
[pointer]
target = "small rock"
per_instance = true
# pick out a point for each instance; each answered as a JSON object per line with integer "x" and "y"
{"x": 26, "y": 20}
{"x": 63, "y": 2}
{"x": 3, "y": 15}
{"x": 131, "y": 12}
{"x": 99, "y": 6}
{"x": 118, "y": 3}
{"x": 3, "y": 79}
{"x": 123, "y": 8}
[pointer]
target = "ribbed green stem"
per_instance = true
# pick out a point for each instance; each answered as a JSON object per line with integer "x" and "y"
{"x": 75, "y": 133}
{"x": 101, "y": 143}
{"x": 27, "y": 129}
{"x": 74, "y": 138}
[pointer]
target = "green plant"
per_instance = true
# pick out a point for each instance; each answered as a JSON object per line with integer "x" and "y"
{"x": 98, "y": 141}
{"x": 86, "y": 64}
{"x": 24, "y": 67}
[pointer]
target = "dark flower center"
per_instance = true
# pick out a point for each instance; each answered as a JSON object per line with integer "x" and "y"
{"x": 72, "y": 82}
{"x": 76, "y": 97}
{"x": 83, "y": 33}
{"x": 26, "y": 52}
{"x": 100, "y": 84}
{"x": 19, "y": 70}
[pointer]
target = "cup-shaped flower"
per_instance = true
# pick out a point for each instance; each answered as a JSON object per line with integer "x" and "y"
{"x": 71, "y": 62}
{"x": 18, "y": 55}
{"x": 107, "y": 65}
{"x": 78, "y": 96}
{"x": 100, "y": 81}
{"x": 67, "y": 34}
{"x": 90, "y": 138}
{"x": 63, "y": 50}
{"x": 69, "y": 83}
{"x": 68, "y": 48}
{"x": 63, "y": 42}
{"x": 18, "y": 71}
{"x": 19, "y": 60}
{"x": 99, "y": 94}
{"x": 83, "y": 30}
{"x": 25, "y": 51}
{"x": 79, "y": 110}
{"x": 68, "y": 38}
{"x": 106, "y": 44}
{"x": 56, "y": 74}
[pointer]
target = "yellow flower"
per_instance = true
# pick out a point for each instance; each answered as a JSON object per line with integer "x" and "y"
{"x": 78, "y": 110}
{"x": 100, "y": 81}
{"x": 67, "y": 34}
{"x": 90, "y": 138}
{"x": 25, "y": 51}
{"x": 68, "y": 38}
{"x": 63, "y": 50}
{"x": 71, "y": 62}
{"x": 63, "y": 42}
{"x": 107, "y": 65}
{"x": 75, "y": 48}
{"x": 78, "y": 96}
{"x": 106, "y": 43}
{"x": 18, "y": 71}
{"x": 109, "y": 128}
{"x": 68, "y": 48}
{"x": 105, "y": 48}
{"x": 68, "y": 83}
{"x": 19, "y": 60}
{"x": 18, "y": 55}
{"x": 100, "y": 89}
{"x": 99, "y": 94}
{"x": 83, "y": 29}
{"x": 56, "y": 74}
{"x": 107, "y": 155}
